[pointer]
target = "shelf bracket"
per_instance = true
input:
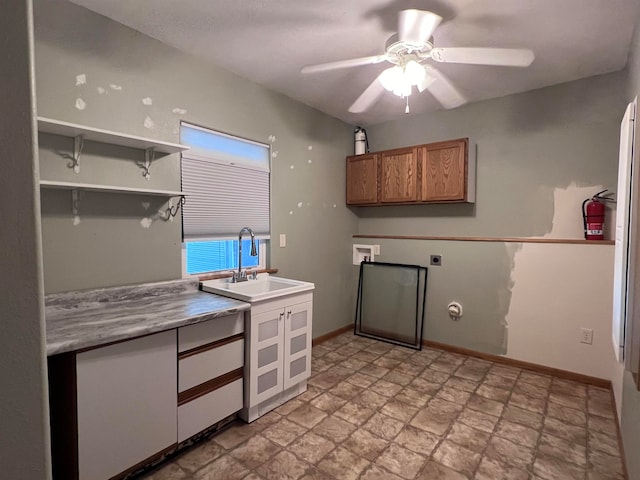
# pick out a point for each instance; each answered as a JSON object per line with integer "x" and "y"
{"x": 172, "y": 210}
{"x": 78, "y": 145}
{"x": 149, "y": 157}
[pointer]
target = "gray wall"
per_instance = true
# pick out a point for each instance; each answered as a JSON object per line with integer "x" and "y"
{"x": 24, "y": 441}
{"x": 528, "y": 145}
{"x": 630, "y": 418}
{"x": 109, "y": 246}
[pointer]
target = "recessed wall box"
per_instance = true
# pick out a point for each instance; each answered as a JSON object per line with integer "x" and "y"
{"x": 362, "y": 253}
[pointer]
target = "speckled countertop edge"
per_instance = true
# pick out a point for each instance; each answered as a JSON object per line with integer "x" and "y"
{"x": 84, "y": 319}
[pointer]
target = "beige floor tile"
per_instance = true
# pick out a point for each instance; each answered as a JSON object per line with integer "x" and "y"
{"x": 255, "y": 451}
{"x": 603, "y": 425}
{"x": 284, "y": 466}
{"x": 385, "y": 388}
{"x": 417, "y": 440}
{"x": 472, "y": 372}
{"x": 558, "y": 447}
{"x": 517, "y": 433}
{"x": 399, "y": 378}
{"x": 434, "y": 422}
{"x": 554, "y": 468}
{"x": 170, "y": 471}
{"x": 413, "y": 397}
{"x": 361, "y": 380}
{"x": 234, "y": 436}
{"x": 434, "y": 376}
{"x": 499, "y": 381}
{"x": 491, "y": 469}
{"x": 436, "y": 471}
{"x": 567, "y": 414}
{"x": 485, "y": 405}
{"x": 530, "y": 390}
{"x": 579, "y": 403}
{"x": 401, "y": 461}
{"x": 354, "y": 413}
{"x": 399, "y": 410}
{"x": 453, "y": 395}
{"x": 199, "y": 455}
{"x": 604, "y": 443}
{"x": 468, "y": 437}
{"x": 508, "y": 452}
{"x": 365, "y": 356}
{"x": 523, "y": 416}
{"x": 311, "y": 447}
{"x": 374, "y": 371}
{"x": 505, "y": 372}
{"x": 224, "y": 468}
{"x": 425, "y": 386}
{"x": 327, "y": 402}
{"x": 456, "y": 457}
{"x": 346, "y": 390}
{"x": 334, "y": 429}
{"x": 478, "y": 420}
{"x": 604, "y": 463}
{"x": 342, "y": 464}
{"x": 370, "y": 399}
{"x": 284, "y": 432}
{"x": 374, "y": 472}
{"x": 365, "y": 444}
{"x": 307, "y": 416}
{"x": 527, "y": 402}
{"x": 494, "y": 393}
{"x": 569, "y": 432}
{"x": 384, "y": 426}
{"x": 542, "y": 381}
{"x": 462, "y": 384}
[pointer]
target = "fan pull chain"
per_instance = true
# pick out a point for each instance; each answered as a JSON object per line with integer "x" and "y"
{"x": 406, "y": 109}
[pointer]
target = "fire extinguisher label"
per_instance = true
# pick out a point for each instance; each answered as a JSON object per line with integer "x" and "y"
{"x": 594, "y": 230}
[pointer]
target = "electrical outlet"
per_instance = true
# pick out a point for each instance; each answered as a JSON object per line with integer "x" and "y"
{"x": 283, "y": 240}
{"x": 586, "y": 336}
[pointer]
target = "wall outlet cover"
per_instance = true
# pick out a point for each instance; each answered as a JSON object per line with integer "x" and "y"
{"x": 586, "y": 336}
{"x": 435, "y": 260}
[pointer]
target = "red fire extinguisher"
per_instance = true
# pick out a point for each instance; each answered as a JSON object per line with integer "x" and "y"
{"x": 593, "y": 216}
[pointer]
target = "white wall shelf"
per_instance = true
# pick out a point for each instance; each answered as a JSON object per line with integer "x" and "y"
{"x": 108, "y": 188}
{"x": 58, "y": 127}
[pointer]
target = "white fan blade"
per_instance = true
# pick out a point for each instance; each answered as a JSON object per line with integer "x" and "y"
{"x": 443, "y": 90}
{"x": 415, "y": 27}
{"x": 368, "y": 97}
{"x": 509, "y": 57}
{"x": 354, "y": 62}
{"x": 426, "y": 82}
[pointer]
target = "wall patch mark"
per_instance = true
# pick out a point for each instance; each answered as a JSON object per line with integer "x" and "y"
{"x": 290, "y": 212}
{"x": 147, "y": 101}
{"x": 146, "y": 205}
{"x": 146, "y": 222}
{"x": 81, "y": 79}
{"x": 292, "y": 167}
{"x": 101, "y": 91}
{"x": 179, "y": 111}
{"x": 309, "y": 161}
{"x": 115, "y": 87}
{"x": 148, "y": 123}
{"x": 310, "y": 147}
{"x": 80, "y": 104}
{"x": 272, "y": 138}
{"x": 274, "y": 154}
{"x": 299, "y": 204}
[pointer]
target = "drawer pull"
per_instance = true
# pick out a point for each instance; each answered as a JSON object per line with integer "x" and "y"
{"x": 210, "y": 346}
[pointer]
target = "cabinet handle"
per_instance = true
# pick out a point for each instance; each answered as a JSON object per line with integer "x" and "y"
{"x": 281, "y": 315}
{"x": 289, "y": 313}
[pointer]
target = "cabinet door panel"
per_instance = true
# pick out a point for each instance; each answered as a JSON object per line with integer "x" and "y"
{"x": 444, "y": 171}
{"x": 266, "y": 356}
{"x": 127, "y": 404}
{"x": 297, "y": 343}
{"x": 362, "y": 179}
{"x": 398, "y": 170}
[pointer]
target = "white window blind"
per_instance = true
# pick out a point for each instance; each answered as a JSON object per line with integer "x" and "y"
{"x": 226, "y": 180}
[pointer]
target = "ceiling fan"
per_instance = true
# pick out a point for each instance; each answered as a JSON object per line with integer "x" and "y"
{"x": 409, "y": 50}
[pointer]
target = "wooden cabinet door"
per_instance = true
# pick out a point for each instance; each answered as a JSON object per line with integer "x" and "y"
{"x": 398, "y": 175}
{"x": 297, "y": 343}
{"x": 127, "y": 404}
{"x": 362, "y": 179}
{"x": 444, "y": 168}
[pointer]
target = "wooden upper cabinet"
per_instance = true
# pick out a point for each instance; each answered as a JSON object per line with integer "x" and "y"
{"x": 440, "y": 172}
{"x": 444, "y": 168}
{"x": 398, "y": 175}
{"x": 362, "y": 179}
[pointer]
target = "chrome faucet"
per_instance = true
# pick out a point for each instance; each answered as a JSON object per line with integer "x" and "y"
{"x": 241, "y": 276}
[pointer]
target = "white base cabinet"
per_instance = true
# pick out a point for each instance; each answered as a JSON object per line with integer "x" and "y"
{"x": 278, "y": 354}
{"x": 126, "y": 404}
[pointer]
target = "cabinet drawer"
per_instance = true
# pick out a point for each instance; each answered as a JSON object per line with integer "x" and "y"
{"x": 204, "y": 411}
{"x": 199, "y": 334}
{"x": 196, "y": 369}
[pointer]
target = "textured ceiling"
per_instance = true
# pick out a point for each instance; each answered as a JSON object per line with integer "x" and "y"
{"x": 268, "y": 41}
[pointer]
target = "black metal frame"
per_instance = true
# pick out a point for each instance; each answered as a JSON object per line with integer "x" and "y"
{"x": 357, "y": 329}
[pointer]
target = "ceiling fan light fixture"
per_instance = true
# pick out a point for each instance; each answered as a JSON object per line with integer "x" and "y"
{"x": 414, "y": 73}
{"x": 391, "y": 78}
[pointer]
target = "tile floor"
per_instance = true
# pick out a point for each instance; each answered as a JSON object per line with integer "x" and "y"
{"x": 377, "y": 411}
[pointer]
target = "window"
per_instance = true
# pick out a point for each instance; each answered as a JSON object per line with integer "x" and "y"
{"x": 226, "y": 180}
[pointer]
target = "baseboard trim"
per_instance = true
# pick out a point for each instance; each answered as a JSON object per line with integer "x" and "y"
{"x": 567, "y": 375}
{"x": 330, "y": 335}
